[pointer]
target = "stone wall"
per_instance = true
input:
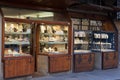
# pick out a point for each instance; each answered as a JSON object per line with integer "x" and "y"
{"x": 1, "y": 65}
{"x": 117, "y": 23}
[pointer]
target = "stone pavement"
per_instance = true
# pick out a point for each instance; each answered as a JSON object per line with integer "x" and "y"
{"x": 110, "y": 74}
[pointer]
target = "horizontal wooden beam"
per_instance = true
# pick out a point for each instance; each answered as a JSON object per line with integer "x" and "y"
{"x": 29, "y": 6}
{"x": 37, "y": 21}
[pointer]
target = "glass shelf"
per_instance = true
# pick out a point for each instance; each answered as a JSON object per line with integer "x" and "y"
{"x": 42, "y": 42}
{"x": 103, "y": 50}
{"x": 103, "y": 43}
{"x": 17, "y": 43}
{"x": 82, "y": 51}
{"x": 82, "y": 43}
{"x": 49, "y": 34}
{"x": 22, "y": 33}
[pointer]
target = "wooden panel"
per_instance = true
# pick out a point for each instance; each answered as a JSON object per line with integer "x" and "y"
{"x": 25, "y": 66}
{"x": 31, "y": 66}
{"x": 9, "y": 66}
{"x": 86, "y": 15}
{"x": 19, "y": 66}
{"x": 38, "y": 4}
{"x": 28, "y": 66}
{"x": 108, "y": 26}
{"x": 59, "y": 63}
{"x": 110, "y": 60}
{"x": 14, "y": 67}
{"x": 37, "y": 21}
{"x": 83, "y": 62}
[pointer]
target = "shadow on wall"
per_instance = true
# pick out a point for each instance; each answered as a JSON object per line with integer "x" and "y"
{"x": 117, "y": 23}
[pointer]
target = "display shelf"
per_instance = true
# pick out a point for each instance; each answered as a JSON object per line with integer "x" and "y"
{"x": 17, "y": 36}
{"x": 82, "y": 41}
{"x": 86, "y": 24}
{"x": 53, "y": 39}
{"x": 95, "y": 25}
{"x": 90, "y": 38}
{"x": 103, "y": 41}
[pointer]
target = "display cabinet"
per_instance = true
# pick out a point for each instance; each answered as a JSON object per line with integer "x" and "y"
{"x": 92, "y": 36}
{"x": 53, "y": 47}
{"x": 18, "y": 66}
{"x": 83, "y": 57}
{"x": 104, "y": 46}
{"x": 17, "y": 45}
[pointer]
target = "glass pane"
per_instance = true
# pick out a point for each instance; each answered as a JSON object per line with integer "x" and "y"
{"x": 17, "y": 39}
{"x": 104, "y": 41}
{"x": 53, "y": 39}
{"x": 82, "y": 41}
